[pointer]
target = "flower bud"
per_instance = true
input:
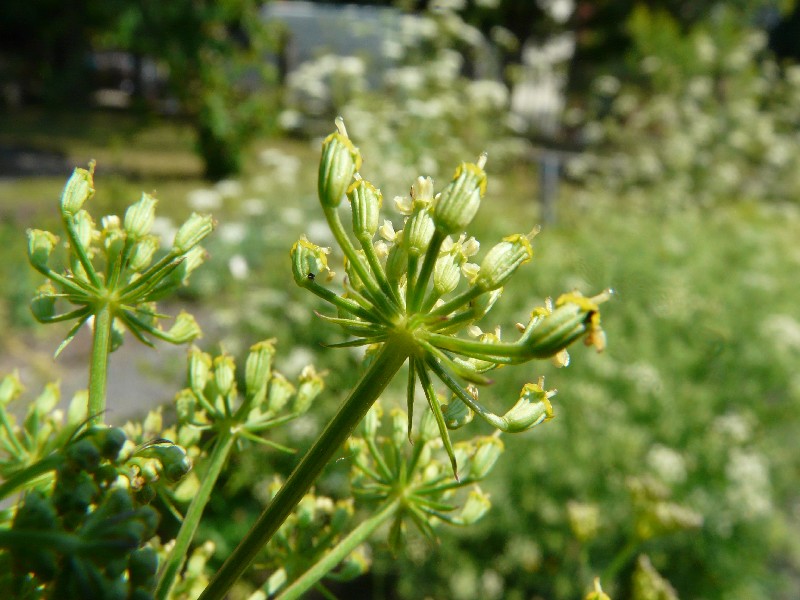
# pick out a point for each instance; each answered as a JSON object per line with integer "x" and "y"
{"x": 79, "y": 188}
{"x": 40, "y": 246}
{"x": 140, "y": 216}
{"x": 459, "y": 201}
{"x": 258, "y": 369}
{"x": 597, "y": 592}
{"x": 339, "y": 162}
{"x": 43, "y": 303}
{"x": 143, "y": 253}
{"x": 475, "y": 507}
{"x": 192, "y": 232}
{"x": 446, "y": 274}
{"x": 532, "y": 408}
{"x": 584, "y": 520}
{"x": 422, "y": 192}
{"x": 418, "y": 232}
{"x": 366, "y": 202}
{"x": 372, "y": 421}
{"x": 185, "y": 329}
{"x": 308, "y": 260}
{"x": 500, "y": 263}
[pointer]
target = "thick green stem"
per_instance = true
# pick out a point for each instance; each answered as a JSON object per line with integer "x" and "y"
{"x": 338, "y": 553}
{"x": 620, "y": 559}
{"x": 98, "y": 369}
{"x": 173, "y": 564}
{"x": 380, "y": 373}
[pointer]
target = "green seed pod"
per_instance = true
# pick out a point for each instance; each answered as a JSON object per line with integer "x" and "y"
{"x": 79, "y": 188}
{"x": 308, "y": 261}
{"x": 140, "y": 216}
{"x": 489, "y": 450}
{"x": 40, "y": 246}
{"x": 43, "y": 304}
{"x": 280, "y": 390}
{"x": 185, "y": 329}
{"x": 396, "y": 263}
{"x": 143, "y": 252}
{"x": 446, "y": 274}
{"x": 418, "y": 232}
{"x": 225, "y": 375}
{"x": 365, "y": 201}
{"x": 532, "y": 408}
{"x": 502, "y": 261}
{"x": 339, "y": 162}
{"x": 85, "y": 228}
{"x": 199, "y": 368}
{"x": 458, "y": 203}
{"x": 258, "y": 369}
{"x": 476, "y": 506}
{"x": 192, "y": 232}
{"x": 456, "y": 413}
{"x": 83, "y": 455}
{"x": 311, "y": 385}
{"x": 109, "y": 440}
{"x": 550, "y": 333}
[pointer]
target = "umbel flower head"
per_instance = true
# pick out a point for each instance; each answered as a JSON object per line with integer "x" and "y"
{"x": 417, "y": 290}
{"x": 113, "y": 267}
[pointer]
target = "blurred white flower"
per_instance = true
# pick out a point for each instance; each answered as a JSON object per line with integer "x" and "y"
{"x": 232, "y": 232}
{"x": 165, "y": 229}
{"x": 237, "y": 265}
{"x": 204, "y": 200}
{"x": 748, "y": 484}
{"x": 229, "y": 188}
{"x": 667, "y": 464}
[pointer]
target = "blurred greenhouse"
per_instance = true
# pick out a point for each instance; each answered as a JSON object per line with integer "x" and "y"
{"x": 658, "y": 145}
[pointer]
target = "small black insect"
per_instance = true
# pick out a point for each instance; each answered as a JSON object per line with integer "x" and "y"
{"x": 311, "y": 276}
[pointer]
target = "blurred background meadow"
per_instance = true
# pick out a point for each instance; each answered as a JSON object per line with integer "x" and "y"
{"x": 658, "y": 144}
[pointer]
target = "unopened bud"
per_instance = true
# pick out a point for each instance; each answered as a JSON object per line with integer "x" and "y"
{"x": 365, "y": 201}
{"x": 10, "y": 388}
{"x": 40, "y": 246}
{"x": 85, "y": 228}
{"x": 339, "y": 162}
{"x": 574, "y": 315}
{"x": 192, "y": 232}
{"x": 460, "y": 200}
{"x": 79, "y": 188}
{"x": 456, "y": 413}
{"x": 140, "y": 216}
{"x": 502, "y": 261}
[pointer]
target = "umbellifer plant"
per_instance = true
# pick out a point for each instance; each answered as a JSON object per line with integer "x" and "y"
{"x": 84, "y": 525}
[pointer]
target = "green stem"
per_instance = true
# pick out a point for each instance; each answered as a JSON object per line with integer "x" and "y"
{"x": 421, "y": 282}
{"x": 222, "y": 448}
{"x": 385, "y": 365}
{"x": 339, "y": 552}
{"x": 19, "y": 451}
{"x": 98, "y": 368}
